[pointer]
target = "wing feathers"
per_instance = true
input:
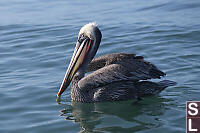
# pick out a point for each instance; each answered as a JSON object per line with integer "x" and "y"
{"x": 119, "y": 67}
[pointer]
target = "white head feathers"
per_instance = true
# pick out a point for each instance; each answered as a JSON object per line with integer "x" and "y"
{"x": 88, "y": 30}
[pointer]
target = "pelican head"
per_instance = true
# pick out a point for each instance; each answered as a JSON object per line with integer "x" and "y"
{"x": 88, "y": 42}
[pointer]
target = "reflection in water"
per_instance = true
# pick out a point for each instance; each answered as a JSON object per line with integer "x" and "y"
{"x": 123, "y": 116}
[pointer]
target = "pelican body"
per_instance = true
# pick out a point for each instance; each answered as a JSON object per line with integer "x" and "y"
{"x": 114, "y": 77}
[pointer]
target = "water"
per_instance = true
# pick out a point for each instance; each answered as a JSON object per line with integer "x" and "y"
{"x": 37, "y": 38}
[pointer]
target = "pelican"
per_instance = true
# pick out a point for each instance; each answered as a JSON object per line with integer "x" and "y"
{"x": 115, "y": 77}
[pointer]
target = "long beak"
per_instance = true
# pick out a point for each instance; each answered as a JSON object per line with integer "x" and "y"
{"x": 79, "y": 55}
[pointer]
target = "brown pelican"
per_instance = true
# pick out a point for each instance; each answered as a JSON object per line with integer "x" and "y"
{"x": 116, "y": 76}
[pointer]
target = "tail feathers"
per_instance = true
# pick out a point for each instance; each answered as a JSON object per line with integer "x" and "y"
{"x": 147, "y": 88}
{"x": 165, "y": 83}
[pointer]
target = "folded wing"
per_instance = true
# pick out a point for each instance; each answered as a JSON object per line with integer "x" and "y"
{"x": 120, "y": 67}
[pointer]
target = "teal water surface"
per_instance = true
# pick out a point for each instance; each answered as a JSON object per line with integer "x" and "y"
{"x": 37, "y": 39}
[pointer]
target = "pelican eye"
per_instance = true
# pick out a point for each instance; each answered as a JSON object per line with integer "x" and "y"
{"x": 81, "y": 38}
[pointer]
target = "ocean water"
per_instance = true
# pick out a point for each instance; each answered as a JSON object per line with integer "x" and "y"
{"x": 37, "y": 39}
